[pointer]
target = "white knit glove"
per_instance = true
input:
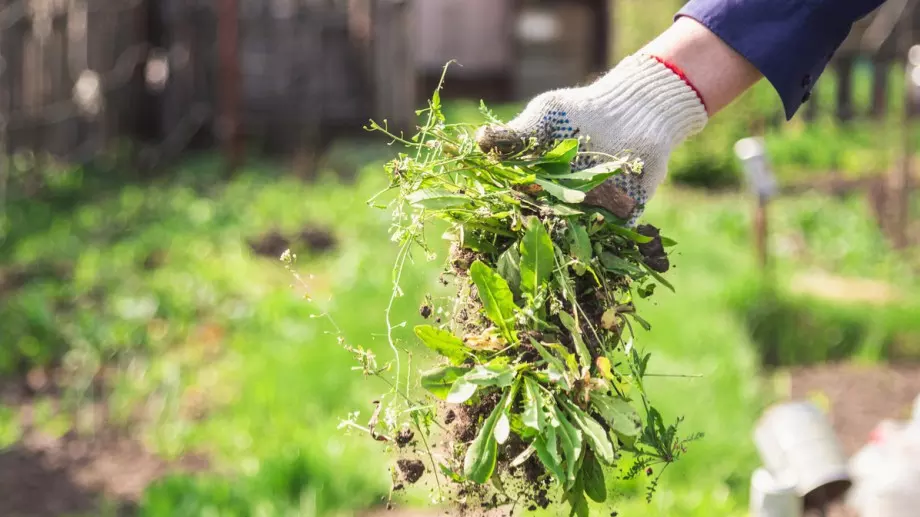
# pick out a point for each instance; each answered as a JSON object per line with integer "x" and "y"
{"x": 641, "y": 107}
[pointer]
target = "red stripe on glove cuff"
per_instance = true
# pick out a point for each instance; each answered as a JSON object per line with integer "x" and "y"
{"x": 680, "y": 73}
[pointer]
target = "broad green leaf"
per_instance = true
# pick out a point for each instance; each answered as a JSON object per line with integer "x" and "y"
{"x": 667, "y": 242}
{"x": 571, "y": 440}
{"x": 552, "y": 169}
{"x": 509, "y": 267}
{"x": 440, "y": 380}
{"x": 616, "y": 264}
{"x": 547, "y": 449}
{"x": 592, "y": 475}
{"x": 436, "y": 199}
{"x": 442, "y": 342}
{"x": 564, "y": 194}
{"x": 536, "y": 256}
{"x": 533, "y": 415}
{"x": 501, "y": 376}
{"x": 593, "y": 432}
{"x": 564, "y": 151}
{"x": 497, "y": 299}
{"x": 479, "y": 463}
{"x": 622, "y": 418}
{"x": 584, "y": 356}
{"x": 580, "y": 246}
{"x": 461, "y": 391}
{"x": 576, "y": 498}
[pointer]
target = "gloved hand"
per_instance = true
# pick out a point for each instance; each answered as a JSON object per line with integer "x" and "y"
{"x": 643, "y": 107}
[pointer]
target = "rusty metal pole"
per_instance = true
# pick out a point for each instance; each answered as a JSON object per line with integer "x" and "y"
{"x": 900, "y": 180}
{"x": 229, "y": 90}
{"x": 752, "y": 153}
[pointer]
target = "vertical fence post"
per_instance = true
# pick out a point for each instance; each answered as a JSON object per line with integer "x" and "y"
{"x": 394, "y": 77}
{"x": 5, "y": 102}
{"x": 880, "y": 69}
{"x": 229, "y": 87}
{"x": 843, "y": 65}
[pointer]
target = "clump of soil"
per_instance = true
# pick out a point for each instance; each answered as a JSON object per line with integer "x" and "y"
{"x": 404, "y": 437}
{"x": 310, "y": 238}
{"x": 410, "y": 470}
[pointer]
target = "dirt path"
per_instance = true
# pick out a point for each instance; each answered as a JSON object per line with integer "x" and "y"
{"x": 47, "y": 476}
{"x": 859, "y": 396}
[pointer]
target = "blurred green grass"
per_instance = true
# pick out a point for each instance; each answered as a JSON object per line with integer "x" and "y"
{"x": 212, "y": 349}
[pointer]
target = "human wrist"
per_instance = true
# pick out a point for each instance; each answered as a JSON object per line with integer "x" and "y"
{"x": 716, "y": 70}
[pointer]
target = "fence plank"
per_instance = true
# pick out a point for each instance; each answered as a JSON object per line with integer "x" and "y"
{"x": 880, "y": 69}
{"x": 843, "y": 66}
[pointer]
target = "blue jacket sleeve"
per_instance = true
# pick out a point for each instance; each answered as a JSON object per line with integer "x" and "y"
{"x": 789, "y": 41}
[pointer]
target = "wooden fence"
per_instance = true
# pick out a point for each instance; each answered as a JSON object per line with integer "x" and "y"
{"x": 78, "y": 76}
{"x": 881, "y": 43}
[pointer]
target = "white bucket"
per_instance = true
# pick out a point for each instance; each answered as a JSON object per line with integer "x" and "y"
{"x": 797, "y": 443}
{"x": 773, "y": 498}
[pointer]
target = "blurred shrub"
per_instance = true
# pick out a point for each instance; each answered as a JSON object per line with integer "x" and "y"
{"x": 707, "y": 171}
{"x": 795, "y": 330}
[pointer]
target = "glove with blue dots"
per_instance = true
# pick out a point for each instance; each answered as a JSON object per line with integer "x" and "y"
{"x": 642, "y": 108}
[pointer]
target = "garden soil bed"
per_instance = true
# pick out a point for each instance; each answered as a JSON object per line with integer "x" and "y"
{"x": 44, "y": 476}
{"x": 859, "y": 396}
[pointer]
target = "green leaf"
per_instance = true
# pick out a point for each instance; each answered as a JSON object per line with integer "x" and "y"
{"x": 509, "y": 267}
{"x": 593, "y": 432}
{"x": 471, "y": 241}
{"x": 563, "y": 210}
{"x": 500, "y": 376}
{"x": 547, "y": 448}
{"x": 592, "y": 475}
{"x": 616, "y": 264}
{"x": 554, "y": 364}
{"x": 584, "y": 356}
{"x": 602, "y": 171}
{"x": 440, "y": 380}
{"x": 564, "y": 194}
{"x": 497, "y": 299}
{"x": 436, "y": 199}
{"x": 502, "y": 428}
{"x": 580, "y": 246}
{"x": 443, "y": 342}
{"x": 552, "y": 169}
{"x": 571, "y": 440}
{"x": 667, "y": 242}
{"x": 622, "y": 418}
{"x": 657, "y": 276}
{"x": 629, "y": 234}
{"x": 450, "y": 473}
{"x": 533, "y": 415}
{"x": 461, "y": 391}
{"x": 536, "y": 256}
{"x": 577, "y": 500}
{"x": 479, "y": 463}
{"x": 564, "y": 151}
{"x": 640, "y": 320}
